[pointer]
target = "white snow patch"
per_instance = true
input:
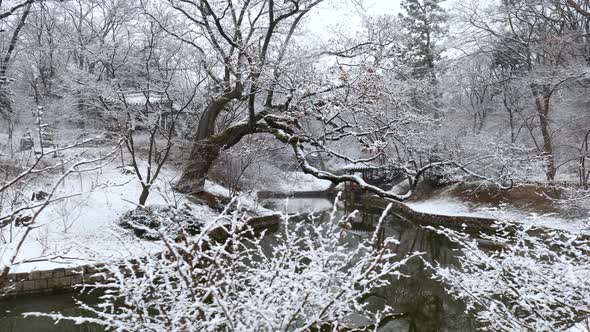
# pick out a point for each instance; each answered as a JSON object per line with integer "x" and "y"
{"x": 583, "y": 326}
{"x": 300, "y": 205}
{"x": 455, "y": 207}
{"x": 443, "y": 206}
{"x": 299, "y": 181}
{"x": 216, "y": 189}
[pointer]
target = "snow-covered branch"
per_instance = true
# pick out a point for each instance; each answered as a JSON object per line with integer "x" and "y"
{"x": 312, "y": 278}
{"x": 536, "y": 280}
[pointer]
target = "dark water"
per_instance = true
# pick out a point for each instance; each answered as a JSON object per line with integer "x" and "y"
{"x": 11, "y": 319}
{"x": 422, "y": 301}
{"x": 425, "y": 304}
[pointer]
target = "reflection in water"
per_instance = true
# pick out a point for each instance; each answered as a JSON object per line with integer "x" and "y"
{"x": 298, "y": 205}
{"x": 11, "y": 319}
{"x": 423, "y": 301}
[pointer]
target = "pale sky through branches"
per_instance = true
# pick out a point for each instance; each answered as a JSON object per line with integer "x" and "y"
{"x": 344, "y": 15}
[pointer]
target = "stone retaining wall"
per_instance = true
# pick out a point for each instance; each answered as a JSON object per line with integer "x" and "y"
{"x": 256, "y": 222}
{"x": 48, "y": 281}
{"x": 468, "y": 223}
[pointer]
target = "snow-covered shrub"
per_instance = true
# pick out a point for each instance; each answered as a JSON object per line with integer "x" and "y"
{"x": 537, "y": 281}
{"x": 150, "y": 222}
{"x": 576, "y": 200}
{"x": 311, "y": 278}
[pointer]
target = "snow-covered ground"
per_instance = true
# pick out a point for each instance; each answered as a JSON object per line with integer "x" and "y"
{"x": 583, "y": 326}
{"x": 455, "y": 207}
{"x": 300, "y": 205}
{"x": 299, "y": 181}
{"x": 82, "y": 229}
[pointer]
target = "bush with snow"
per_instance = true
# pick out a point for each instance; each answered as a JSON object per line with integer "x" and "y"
{"x": 537, "y": 280}
{"x": 312, "y": 278}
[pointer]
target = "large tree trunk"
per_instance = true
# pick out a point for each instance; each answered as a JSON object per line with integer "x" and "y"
{"x": 204, "y": 153}
{"x": 207, "y": 146}
{"x": 207, "y": 123}
{"x": 542, "y": 96}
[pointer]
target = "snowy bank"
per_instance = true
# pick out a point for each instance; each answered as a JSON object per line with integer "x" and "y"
{"x": 83, "y": 229}
{"x": 451, "y": 206}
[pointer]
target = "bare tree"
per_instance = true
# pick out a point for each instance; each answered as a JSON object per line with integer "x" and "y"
{"x": 151, "y": 103}
{"x": 540, "y": 43}
{"x": 249, "y": 52}
{"x": 21, "y": 10}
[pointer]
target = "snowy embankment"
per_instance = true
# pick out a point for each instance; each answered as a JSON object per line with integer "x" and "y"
{"x": 452, "y": 206}
{"x": 83, "y": 229}
{"x": 299, "y": 181}
{"x": 583, "y": 326}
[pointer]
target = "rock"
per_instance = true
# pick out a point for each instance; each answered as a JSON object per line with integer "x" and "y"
{"x": 128, "y": 170}
{"x": 213, "y": 201}
{"x": 264, "y": 221}
{"x": 39, "y": 196}
{"x": 150, "y": 222}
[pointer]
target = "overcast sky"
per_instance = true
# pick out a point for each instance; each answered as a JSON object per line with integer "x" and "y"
{"x": 344, "y": 14}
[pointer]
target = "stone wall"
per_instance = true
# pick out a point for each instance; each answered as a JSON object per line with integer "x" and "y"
{"x": 467, "y": 223}
{"x": 48, "y": 281}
